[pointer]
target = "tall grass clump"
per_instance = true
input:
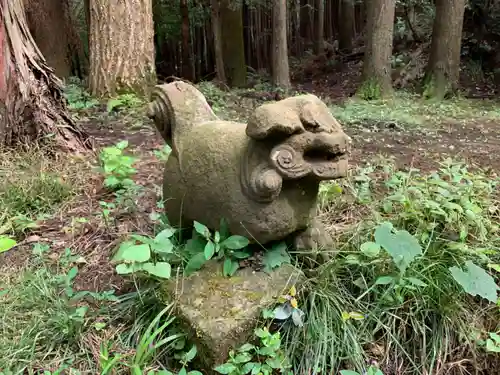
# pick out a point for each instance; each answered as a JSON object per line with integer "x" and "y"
{"x": 35, "y": 183}
{"x": 49, "y": 325}
{"x": 412, "y": 286}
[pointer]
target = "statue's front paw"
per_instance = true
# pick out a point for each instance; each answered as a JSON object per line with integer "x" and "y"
{"x": 314, "y": 245}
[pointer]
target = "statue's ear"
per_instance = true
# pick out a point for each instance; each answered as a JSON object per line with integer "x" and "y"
{"x": 273, "y": 120}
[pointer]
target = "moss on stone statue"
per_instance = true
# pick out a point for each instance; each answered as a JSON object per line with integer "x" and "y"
{"x": 220, "y": 313}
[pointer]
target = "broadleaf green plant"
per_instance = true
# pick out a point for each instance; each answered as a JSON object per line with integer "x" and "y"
{"x": 265, "y": 359}
{"x": 147, "y": 255}
{"x": 117, "y": 167}
{"x": 218, "y": 245}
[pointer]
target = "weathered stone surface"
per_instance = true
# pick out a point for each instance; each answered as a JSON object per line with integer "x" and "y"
{"x": 222, "y": 312}
{"x": 261, "y": 177}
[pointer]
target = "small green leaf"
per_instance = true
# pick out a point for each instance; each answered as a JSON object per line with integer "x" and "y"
{"x": 6, "y": 243}
{"x": 209, "y": 250}
{"x": 416, "y": 282}
{"x": 122, "y": 145}
{"x": 165, "y": 246}
{"x": 348, "y": 372}
{"x": 495, "y": 337}
{"x": 136, "y": 253}
{"x": 492, "y": 347}
{"x": 183, "y": 371}
{"x": 164, "y": 234}
{"x": 246, "y": 347}
{"x": 400, "y": 245}
{"x": 370, "y": 249}
{"x": 275, "y": 257}
{"x": 159, "y": 269}
{"x": 189, "y": 356}
{"x": 195, "y": 263}
{"x": 225, "y": 369}
{"x": 247, "y": 367}
{"x": 243, "y": 358}
{"x": 240, "y": 254}
{"x": 230, "y": 267}
{"x": 256, "y": 369}
{"x": 476, "y": 281}
{"x": 202, "y": 229}
{"x": 235, "y": 242}
{"x": 384, "y": 280}
{"x": 124, "y": 269}
{"x": 223, "y": 229}
{"x": 495, "y": 267}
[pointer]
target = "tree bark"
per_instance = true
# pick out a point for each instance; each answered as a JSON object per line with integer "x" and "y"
{"x": 122, "y": 54}
{"x": 443, "y": 69}
{"x": 50, "y": 25}
{"x": 216, "y": 29}
{"x": 32, "y": 108}
{"x": 319, "y": 26}
{"x": 231, "y": 14}
{"x": 280, "y": 67}
{"x": 378, "y": 51}
{"x": 346, "y": 25}
{"x": 187, "y": 60}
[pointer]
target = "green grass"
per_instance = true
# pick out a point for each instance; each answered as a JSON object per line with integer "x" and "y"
{"x": 48, "y": 325}
{"x": 412, "y": 110}
{"x": 418, "y": 327}
{"x": 35, "y": 184}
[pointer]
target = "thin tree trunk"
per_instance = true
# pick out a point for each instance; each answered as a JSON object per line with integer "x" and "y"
{"x": 121, "y": 47}
{"x": 319, "y": 26}
{"x": 378, "y": 53}
{"x": 280, "y": 67}
{"x": 32, "y": 108}
{"x": 346, "y": 25}
{"x": 187, "y": 61}
{"x": 216, "y": 29}
{"x": 49, "y": 24}
{"x": 443, "y": 69}
{"x": 233, "y": 45}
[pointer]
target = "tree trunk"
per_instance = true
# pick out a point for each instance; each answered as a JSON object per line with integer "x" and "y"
{"x": 187, "y": 60}
{"x": 216, "y": 29}
{"x": 280, "y": 68}
{"x": 346, "y": 25}
{"x": 233, "y": 46}
{"x": 49, "y": 24}
{"x": 319, "y": 26}
{"x": 32, "y": 108}
{"x": 443, "y": 69}
{"x": 121, "y": 47}
{"x": 378, "y": 51}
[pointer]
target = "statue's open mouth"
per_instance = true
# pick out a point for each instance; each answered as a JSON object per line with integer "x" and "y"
{"x": 321, "y": 155}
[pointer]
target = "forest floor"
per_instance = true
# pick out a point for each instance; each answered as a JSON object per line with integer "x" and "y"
{"x": 406, "y": 130}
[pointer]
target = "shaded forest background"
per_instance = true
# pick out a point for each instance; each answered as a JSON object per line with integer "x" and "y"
{"x": 324, "y": 39}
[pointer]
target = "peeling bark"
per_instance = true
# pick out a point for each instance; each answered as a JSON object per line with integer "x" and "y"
{"x": 32, "y": 108}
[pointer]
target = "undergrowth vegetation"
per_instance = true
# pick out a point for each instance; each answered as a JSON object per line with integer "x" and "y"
{"x": 411, "y": 287}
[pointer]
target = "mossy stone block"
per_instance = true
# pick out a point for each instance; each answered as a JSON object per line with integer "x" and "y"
{"x": 220, "y": 313}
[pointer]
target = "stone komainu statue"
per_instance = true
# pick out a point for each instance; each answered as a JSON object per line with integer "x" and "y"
{"x": 261, "y": 177}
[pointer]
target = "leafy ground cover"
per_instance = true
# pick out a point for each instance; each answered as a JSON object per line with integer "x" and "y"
{"x": 411, "y": 288}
